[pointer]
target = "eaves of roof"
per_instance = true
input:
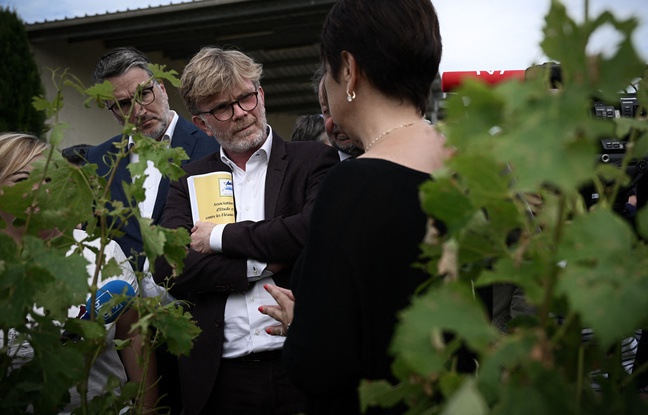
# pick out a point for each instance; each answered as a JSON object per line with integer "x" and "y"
{"x": 281, "y": 34}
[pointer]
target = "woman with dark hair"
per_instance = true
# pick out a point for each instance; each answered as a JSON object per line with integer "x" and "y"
{"x": 356, "y": 271}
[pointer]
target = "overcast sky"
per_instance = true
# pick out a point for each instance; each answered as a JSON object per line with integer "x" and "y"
{"x": 477, "y": 34}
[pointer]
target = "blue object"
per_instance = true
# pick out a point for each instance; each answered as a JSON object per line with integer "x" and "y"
{"x": 104, "y": 295}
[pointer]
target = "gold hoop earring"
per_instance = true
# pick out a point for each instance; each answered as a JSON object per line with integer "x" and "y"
{"x": 350, "y": 97}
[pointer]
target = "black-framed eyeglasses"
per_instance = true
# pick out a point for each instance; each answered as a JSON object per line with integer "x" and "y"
{"x": 225, "y": 112}
{"x": 123, "y": 107}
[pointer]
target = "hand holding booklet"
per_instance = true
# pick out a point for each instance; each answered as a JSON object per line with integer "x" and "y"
{"x": 212, "y": 197}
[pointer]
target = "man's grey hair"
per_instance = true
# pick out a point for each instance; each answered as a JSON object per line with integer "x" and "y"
{"x": 119, "y": 61}
{"x": 318, "y": 75}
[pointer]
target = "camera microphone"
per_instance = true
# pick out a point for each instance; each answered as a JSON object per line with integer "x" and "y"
{"x": 452, "y": 80}
{"x": 104, "y": 294}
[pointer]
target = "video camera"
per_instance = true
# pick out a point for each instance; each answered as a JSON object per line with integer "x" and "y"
{"x": 628, "y": 106}
{"x": 612, "y": 150}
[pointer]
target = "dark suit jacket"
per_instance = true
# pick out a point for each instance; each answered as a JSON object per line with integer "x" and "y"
{"x": 187, "y": 136}
{"x": 294, "y": 173}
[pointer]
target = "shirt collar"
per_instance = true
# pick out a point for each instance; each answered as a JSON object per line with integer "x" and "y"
{"x": 168, "y": 134}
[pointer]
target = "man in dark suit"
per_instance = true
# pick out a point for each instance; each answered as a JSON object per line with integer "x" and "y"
{"x": 235, "y": 365}
{"x": 127, "y": 70}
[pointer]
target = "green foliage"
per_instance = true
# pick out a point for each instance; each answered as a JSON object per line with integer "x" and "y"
{"x": 511, "y": 200}
{"x": 20, "y": 78}
{"x": 174, "y": 326}
{"x": 44, "y": 272}
{"x": 419, "y": 339}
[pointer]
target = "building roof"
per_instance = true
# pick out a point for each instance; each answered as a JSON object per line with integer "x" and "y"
{"x": 283, "y": 35}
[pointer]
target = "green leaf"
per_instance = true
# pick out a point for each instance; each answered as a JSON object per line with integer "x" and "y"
{"x": 87, "y": 329}
{"x": 610, "y": 174}
{"x": 642, "y": 93}
{"x": 489, "y": 183}
{"x": 508, "y": 355}
{"x": 70, "y": 281}
{"x": 46, "y": 277}
{"x": 527, "y": 274}
{"x": 41, "y": 104}
{"x": 480, "y": 243}
{"x": 60, "y": 193}
{"x": 478, "y": 103}
{"x": 101, "y": 92}
{"x": 625, "y": 125}
{"x": 604, "y": 279}
{"x": 174, "y": 326}
{"x": 153, "y": 237}
{"x": 18, "y": 289}
{"x": 450, "y": 383}
{"x": 61, "y": 368}
{"x": 563, "y": 40}
{"x": 111, "y": 269}
{"x": 614, "y": 73}
{"x": 466, "y": 401}
{"x": 379, "y": 393}
{"x": 170, "y": 243}
{"x": 109, "y": 402}
{"x": 166, "y": 159}
{"x": 457, "y": 209}
{"x": 122, "y": 344}
{"x": 418, "y": 339}
{"x": 63, "y": 200}
{"x": 541, "y": 148}
{"x": 56, "y": 134}
{"x": 641, "y": 218}
{"x": 134, "y": 191}
{"x": 160, "y": 73}
{"x": 536, "y": 392}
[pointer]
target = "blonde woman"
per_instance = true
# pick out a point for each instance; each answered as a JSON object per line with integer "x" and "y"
{"x": 18, "y": 152}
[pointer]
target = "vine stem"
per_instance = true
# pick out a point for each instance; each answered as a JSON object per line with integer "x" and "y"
{"x": 580, "y": 377}
{"x": 635, "y": 373}
{"x": 563, "y": 328}
{"x": 553, "y": 275}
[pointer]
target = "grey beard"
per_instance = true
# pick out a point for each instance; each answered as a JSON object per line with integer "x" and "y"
{"x": 158, "y": 133}
{"x": 242, "y": 146}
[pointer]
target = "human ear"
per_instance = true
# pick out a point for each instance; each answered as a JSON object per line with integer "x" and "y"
{"x": 201, "y": 124}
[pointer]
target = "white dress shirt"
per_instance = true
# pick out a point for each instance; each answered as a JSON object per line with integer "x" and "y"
{"x": 153, "y": 175}
{"x": 343, "y": 155}
{"x": 244, "y": 324}
{"x": 151, "y": 187}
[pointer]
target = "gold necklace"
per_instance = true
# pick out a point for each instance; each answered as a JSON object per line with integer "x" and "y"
{"x": 375, "y": 140}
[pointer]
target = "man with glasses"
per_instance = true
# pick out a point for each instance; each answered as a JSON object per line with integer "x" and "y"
{"x": 127, "y": 70}
{"x": 144, "y": 102}
{"x": 235, "y": 365}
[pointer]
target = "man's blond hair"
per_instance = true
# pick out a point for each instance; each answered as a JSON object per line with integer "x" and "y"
{"x": 214, "y": 70}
